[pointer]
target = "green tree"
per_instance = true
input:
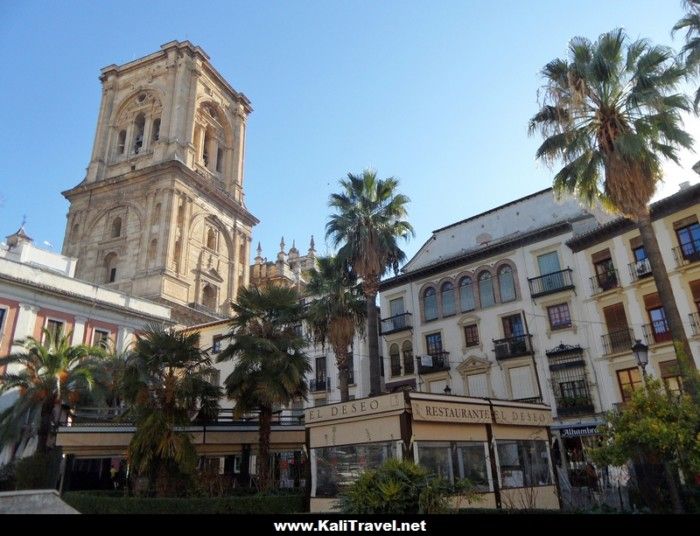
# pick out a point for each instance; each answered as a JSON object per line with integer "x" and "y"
{"x": 368, "y": 222}
{"x": 337, "y": 311}
{"x": 690, "y": 53}
{"x": 654, "y": 427}
{"x": 166, "y": 384}
{"x": 610, "y": 114}
{"x": 270, "y": 363}
{"x": 53, "y": 373}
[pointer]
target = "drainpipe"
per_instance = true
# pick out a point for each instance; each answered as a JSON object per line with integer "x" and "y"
{"x": 492, "y": 457}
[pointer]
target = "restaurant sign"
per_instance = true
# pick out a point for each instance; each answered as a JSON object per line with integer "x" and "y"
{"x": 579, "y": 431}
{"x": 438, "y": 411}
{"x": 522, "y": 416}
{"x": 355, "y": 408}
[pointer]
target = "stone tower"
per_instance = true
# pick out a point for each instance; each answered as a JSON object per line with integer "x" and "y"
{"x": 161, "y": 212}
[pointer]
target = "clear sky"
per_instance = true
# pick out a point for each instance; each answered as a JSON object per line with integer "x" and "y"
{"x": 437, "y": 94}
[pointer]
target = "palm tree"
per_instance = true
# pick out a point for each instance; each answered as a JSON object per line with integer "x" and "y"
{"x": 336, "y": 312}
{"x": 610, "y": 114}
{"x": 167, "y": 383}
{"x": 368, "y": 222}
{"x": 690, "y": 53}
{"x": 54, "y": 374}
{"x": 270, "y": 364}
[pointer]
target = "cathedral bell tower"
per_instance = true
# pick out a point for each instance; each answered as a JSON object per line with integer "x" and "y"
{"x": 161, "y": 212}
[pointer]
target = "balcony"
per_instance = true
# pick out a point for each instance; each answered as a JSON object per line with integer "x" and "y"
{"x": 687, "y": 253}
{"x": 216, "y": 313}
{"x": 640, "y": 269}
{"x": 531, "y": 400}
{"x": 569, "y": 406}
{"x": 319, "y": 386}
{"x": 551, "y": 283}
{"x": 439, "y": 361}
{"x": 620, "y": 340}
{"x": 513, "y": 346}
{"x": 657, "y": 332}
{"x": 395, "y": 323}
{"x": 695, "y": 323}
{"x": 602, "y": 282}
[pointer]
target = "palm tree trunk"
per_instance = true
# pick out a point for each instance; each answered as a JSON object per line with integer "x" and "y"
{"x": 668, "y": 301}
{"x": 265, "y": 419}
{"x": 45, "y": 425}
{"x": 673, "y": 489}
{"x": 375, "y": 385}
{"x": 341, "y": 358}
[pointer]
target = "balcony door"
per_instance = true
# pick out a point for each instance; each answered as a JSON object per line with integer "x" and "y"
{"x": 521, "y": 383}
{"x": 549, "y": 264}
{"x": 320, "y": 371}
{"x": 689, "y": 240}
{"x": 513, "y": 326}
{"x": 395, "y": 311}
{"x": 618, "y": 328}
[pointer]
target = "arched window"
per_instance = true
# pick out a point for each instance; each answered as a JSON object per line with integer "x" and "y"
{"x": 219, "y": 160}
{"x": 395, "y": 360}
{"x": 211, "y": 239}
{"x": 110, "y": 268}
{"x": 448, "y": 299}
{"x": 139, "y": 126}
{"x": 486, "y": 289}
{"x": 407, "y": 349}
{"x": 209, "y": 296}
{"x": 121, "y": 142}
{"x": 466, "y": 294}
{"x": 205, "y": 148}
{"x": 116, "y": 227}
{"x": 155, "y": 217}
{"x": 152, "y": 251}
{"x": 155, "y": 131}
{"x": 506, "y": 283}
{"x": 430, "y": 311}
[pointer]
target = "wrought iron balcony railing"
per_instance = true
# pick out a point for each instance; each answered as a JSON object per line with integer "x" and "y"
{"x": 396, "y": 323}
{"x": 551, "y": 283}
{"x": 695, "y": 323}
{"x": 657, "y": 332}
{"x": 319, "y": 385}
{"x": 435, "y": 362}
{"x": 640, "y": 269}
{"x": 576, "y": 405}
{"x": 687, "y": 253}
{"x": 513, "y": 346}
{"x": 607, "y": 281}
{"x": 531, "y": 400}
{"x": 620, "y": 340}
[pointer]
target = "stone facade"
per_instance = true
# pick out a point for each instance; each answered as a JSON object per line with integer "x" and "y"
{"x": 161, "y": 212}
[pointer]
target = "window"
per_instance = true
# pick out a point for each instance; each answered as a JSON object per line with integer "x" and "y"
{"x": 486, "y": 290}
{"x": 471, "y": 335}
{"x": 448, "y": 299}
{"x": 433, "y": 343}
{"x": 521, "y": 384}
{"x": 139, "y": 126}
{"x": 110, "y": 265}
{"x": 477, "y": 385}
{"x": 407, "y": 349}
{"x": 351, "y": 367}
{"x": 523, "y": 463}
{"x": 639, "y": 253}
{"x": 121, "y": 142}
{"x": 209, "y": 296}
{"x": 559, "y": 316}
{"x": 671, "y": 376}
{"x": 395, "y": 360}
{"x": 54, "y": 327}
{"x": 205, "y": 149}
{"x": 100, "y": 337}
{"x": 659, "y": 325}
{"x": 216, "y": 344}
{"x": 455, "y": 461}
{"x": 629, "y": 381}
{"x": 219, "y": 160}
{"x": 430, "y": 304}
{"x": 396, "y": 311}
{"x": 466, "y": 294}
{"x": 321, "y": 370}
{"x": 116, "y": 227}
{"x": 605, "y": 273}
{"x": 3, "y": 313}
{"x": 506, "y": 283}
{"x": 689, "y": 240}
{"x": 513, "y": 326}
{"x": 211, "y": 239}
{"x": 155, "y": 136}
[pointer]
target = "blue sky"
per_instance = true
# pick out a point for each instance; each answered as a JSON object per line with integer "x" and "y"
{"x": 437, "y": 94}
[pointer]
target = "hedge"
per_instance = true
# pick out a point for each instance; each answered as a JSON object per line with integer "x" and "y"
{"x": 89, "y": 503}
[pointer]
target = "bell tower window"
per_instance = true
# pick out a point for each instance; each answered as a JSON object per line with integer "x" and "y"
{"x": 121, "y": 142}
{"x": 219, "y": 159}
{"x": 116, "y": 227}
{"x": 211, "y": 239}
{"x": 139, "y": 126}
{"x": 155, "y": 136}
{"x": 110, "y": 265}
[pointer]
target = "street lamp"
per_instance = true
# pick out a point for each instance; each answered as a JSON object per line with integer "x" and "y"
{"x": 641, "y": 354}
{"x": 447, "y": 390}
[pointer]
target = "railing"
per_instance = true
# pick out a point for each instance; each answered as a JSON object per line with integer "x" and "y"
{"x": 687, "y": 253}
{"x": 395, "y": 323}
{"x": 577, "y": 405}
{"x": 618, "y": 341}
{"x": 207, "y": 310}
{"x": 440, "y": 361}
{"x": 602, "y": 282}
{"x": 531, "y": 400}
{"x": 640, "y": 269}
{"x": 513, "y": 346}
{"x": 657, "y": 332}
{"x": 695, "y": 323}
{"x": 316, "y": 386}
{"x": 551, "y": 283}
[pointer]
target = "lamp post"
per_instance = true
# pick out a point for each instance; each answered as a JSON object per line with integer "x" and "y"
{"x": 447, "y": 390}
{"x": 641, "y": 355}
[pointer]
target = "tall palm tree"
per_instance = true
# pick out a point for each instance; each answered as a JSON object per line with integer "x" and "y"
{"x": 690, "y": 53}
{"x": 610, "y": 113}
{"x": 369, "y": 220}
{"x": 54, "y": 374}
{"x": 337, "y": 311}
{"x": 270, "y": 362}
{"x": 167, "y": 383}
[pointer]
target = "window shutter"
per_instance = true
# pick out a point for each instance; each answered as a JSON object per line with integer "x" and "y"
{"x": 521, "y": 383}
{"x": 477, "y": 386}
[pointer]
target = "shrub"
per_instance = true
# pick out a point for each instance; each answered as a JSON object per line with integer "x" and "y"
{"x": 39, "y": 471}
{"x": 401, "y": 487}
{"x": 91, "y": 503}
{"x": 7, "y": 477}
